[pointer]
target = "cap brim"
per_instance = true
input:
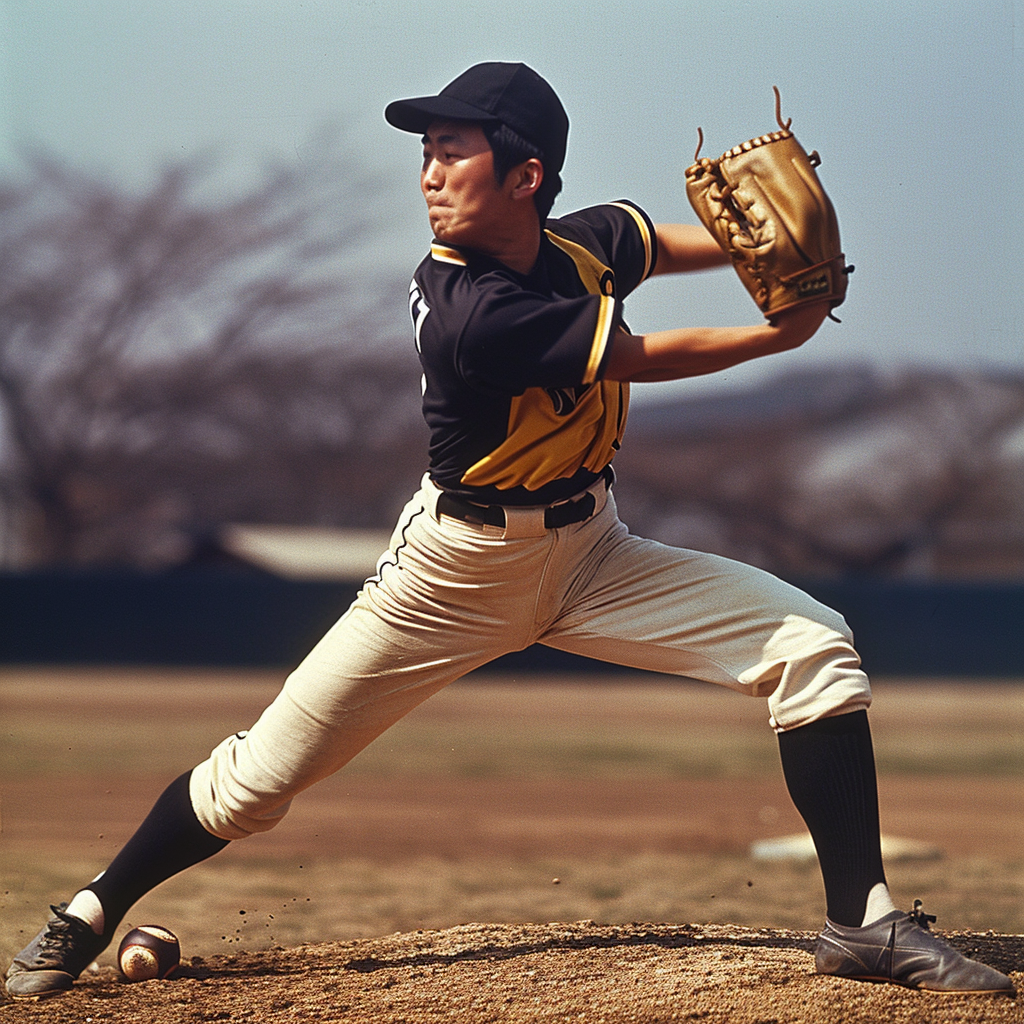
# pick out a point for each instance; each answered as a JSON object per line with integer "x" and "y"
{"x": 417, "y": 115}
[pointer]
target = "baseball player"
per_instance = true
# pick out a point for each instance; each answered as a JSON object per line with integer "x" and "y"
{"x": 513, "y": 539}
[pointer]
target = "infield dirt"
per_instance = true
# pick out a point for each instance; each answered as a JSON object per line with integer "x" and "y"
{"x": 421, "y": 883}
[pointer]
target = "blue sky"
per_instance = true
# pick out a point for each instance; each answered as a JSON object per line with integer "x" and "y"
{"x": 915, "y": 108}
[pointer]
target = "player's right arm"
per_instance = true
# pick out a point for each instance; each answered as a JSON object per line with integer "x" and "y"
{"x": 695, "y": 351}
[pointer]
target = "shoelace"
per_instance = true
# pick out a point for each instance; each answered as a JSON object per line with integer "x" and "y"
{"x": 919, "y": 917}
{"x": 58, "y": 932}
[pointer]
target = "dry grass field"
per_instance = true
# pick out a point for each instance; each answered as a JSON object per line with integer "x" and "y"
{"x": 505, "y": 822}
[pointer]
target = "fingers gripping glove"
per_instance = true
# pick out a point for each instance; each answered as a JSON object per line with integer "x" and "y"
{"x": 766, "y": 208}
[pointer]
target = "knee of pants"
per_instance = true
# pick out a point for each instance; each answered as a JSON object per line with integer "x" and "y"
{"x": 817, "y": 673}
{"x": 231, "y": 798}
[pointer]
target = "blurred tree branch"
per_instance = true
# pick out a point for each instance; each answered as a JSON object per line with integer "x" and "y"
{"x": 156, "y": 327}
{"x": 840, "y": 472}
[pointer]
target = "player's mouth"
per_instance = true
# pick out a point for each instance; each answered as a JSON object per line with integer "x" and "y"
{"x": 437, "y": 211}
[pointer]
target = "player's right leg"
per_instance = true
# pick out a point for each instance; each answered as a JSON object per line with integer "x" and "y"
{"x": 447, "y": 598}
{"x": 169, "y": 840}
{"x": 422, "y": 623}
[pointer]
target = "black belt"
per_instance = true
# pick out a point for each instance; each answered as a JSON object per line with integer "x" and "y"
{"x": 564, "y": 514}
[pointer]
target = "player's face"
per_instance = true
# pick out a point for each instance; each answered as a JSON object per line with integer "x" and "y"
{"x": 465, "y": 204}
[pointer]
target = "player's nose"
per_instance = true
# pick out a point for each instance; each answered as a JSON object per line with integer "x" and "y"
{"x": 432, "y": 175}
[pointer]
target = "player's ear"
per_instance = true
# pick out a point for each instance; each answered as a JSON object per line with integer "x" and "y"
{"x": 526, "y": 178}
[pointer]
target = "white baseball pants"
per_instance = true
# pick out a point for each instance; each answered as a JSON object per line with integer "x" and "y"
{"x": 448, "y": 597}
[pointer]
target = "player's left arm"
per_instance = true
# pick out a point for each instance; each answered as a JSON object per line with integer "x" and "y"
{"x": 694, "y": 351}
{"x": 686, "y": 247}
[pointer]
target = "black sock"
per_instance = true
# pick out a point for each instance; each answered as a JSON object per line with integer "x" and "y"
{"x": 829, "y": 767}
{"x": 169, "y": 840}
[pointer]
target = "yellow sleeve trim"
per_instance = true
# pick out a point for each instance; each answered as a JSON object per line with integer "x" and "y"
{"x": 605, "y": 319}
{"x": 645, "y": 234}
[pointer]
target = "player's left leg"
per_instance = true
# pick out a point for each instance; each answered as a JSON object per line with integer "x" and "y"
{"x": 710, "y": 618}
{"x": 642, "y": 604}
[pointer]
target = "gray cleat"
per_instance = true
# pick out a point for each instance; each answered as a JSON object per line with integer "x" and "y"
{"x": 54, "y": 958}
{"x": 900, "y": 949}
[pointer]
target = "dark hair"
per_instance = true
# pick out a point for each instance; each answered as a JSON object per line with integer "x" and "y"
{"x": 510, "y": 150}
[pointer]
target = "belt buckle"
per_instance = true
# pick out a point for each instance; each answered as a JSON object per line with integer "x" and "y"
{"x": 468, "y": 511}
{"x": 481, "y": 518}
{"x": 565, "y": 512}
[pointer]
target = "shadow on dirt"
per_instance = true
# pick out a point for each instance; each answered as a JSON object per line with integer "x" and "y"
{"x": 667, "y": 937}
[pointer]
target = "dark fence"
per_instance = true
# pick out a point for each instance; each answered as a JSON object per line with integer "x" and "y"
{"x": 225, "y": 617}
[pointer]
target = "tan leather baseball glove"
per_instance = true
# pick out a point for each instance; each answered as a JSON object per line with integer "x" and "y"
{"x": 766, "y": 208}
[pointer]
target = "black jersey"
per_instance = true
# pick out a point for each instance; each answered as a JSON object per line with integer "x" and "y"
{"x": 512, "y": 364}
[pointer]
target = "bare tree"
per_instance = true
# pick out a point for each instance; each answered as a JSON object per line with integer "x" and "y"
{"x": 131, "y": 321}
{"x": 319, "y": 437}
{"x": 839, "y": 472}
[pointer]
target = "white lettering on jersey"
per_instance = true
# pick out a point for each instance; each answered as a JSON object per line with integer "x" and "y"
{"x": 418, "y": 310}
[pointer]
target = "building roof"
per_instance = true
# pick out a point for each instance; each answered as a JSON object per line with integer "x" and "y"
{"x": 306, "y": 552}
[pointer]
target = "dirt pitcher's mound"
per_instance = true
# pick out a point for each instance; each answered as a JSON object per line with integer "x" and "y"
{"x": 527, "y": 974}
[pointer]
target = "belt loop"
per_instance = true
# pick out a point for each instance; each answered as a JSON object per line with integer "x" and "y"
{"x": 431, "y": 492}
{"x": 523, "y": 522}
{"x": 601, "y": 490}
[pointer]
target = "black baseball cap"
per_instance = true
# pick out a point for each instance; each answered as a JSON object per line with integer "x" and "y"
{"x": 512, "y": 94}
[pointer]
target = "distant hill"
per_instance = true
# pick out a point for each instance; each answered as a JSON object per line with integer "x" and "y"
{"x": 838, "y": 471}
{"x": 800, "y": 396}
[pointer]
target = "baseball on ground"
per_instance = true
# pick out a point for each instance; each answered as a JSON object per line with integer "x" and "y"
{"x": 148, "y": 951}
